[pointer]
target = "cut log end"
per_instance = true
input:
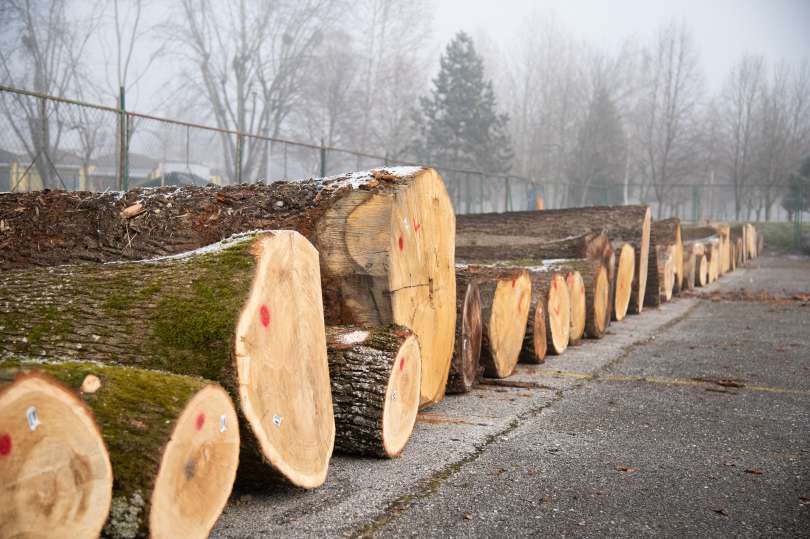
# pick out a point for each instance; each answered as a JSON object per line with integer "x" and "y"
{"x": 601, "y": 297}
{"x": 280, "y": 354}
{"x": 539, "y": 343}
{"x": 402, "y": 398}
{"x": 559, "y": 312}
{"x": 643, "y": 264}
{"x": 507, "y": 324}
{"x": 576, "y": 297}
{"x": 625, "y": 268}
{"x": 466, "y": 365}
{"x": 422, "y": 275}
{"x": 198, "y": 467}
{"x": 55, "y": 475}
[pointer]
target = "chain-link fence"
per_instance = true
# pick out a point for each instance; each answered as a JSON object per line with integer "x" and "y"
{"x": 50, "y": 142}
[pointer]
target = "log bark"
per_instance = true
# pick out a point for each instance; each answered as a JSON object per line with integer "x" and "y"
{"x": 466, "y": 368}
{"x": 473, "y": 245}
{"x": 551, "y": 286}
{"x": 55, "y": 474}
{"x": 374, "y": 374}
{"x": 245, "y": 312}
{"x": 173, "y": 443}
{"x": 505, "y": 299}
{"x": 385, "y": 238}
{"x": 627, "y": 223}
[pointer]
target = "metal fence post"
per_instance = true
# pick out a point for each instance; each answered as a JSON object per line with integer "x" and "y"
{"x": 323, "y": 159}
{"x": 239, "y": 158}
{"x": 123, "y": 149}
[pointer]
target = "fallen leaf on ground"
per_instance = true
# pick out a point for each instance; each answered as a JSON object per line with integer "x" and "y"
{"x": 468, "y": 516}
{"x": 531, "y": 471}
{"x": 804, "y": 500}
{"x": 754, "y": 471}
{"x": 499, "y": 471}
{"x": 720, "y": 512}
{"x": 627, "y": 469}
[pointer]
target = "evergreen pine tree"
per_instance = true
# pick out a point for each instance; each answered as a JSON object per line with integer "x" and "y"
{"x": 459, "y": 123}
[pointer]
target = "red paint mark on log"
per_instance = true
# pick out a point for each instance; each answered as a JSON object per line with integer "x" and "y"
{"x": 416, "y": 226}
{"x": 401, "y": 243}
{"x": 264, "y": 315}
{"x": 513, "y": 282}
{"x": 5, "y": 445}
{"x": 582, "y": 291}
{"x": 200, "y": 420}
{"x": 554, "y": 283}
{"x": 402, "y": 363}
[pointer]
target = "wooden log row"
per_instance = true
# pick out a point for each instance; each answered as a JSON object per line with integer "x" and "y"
{"x": 245, "y": 312}
{"x": 592, "y": 297}
{"x": 505, "y": 294}
{"x": 553, "y": 305}
{"x": 630, "y": 224}
{"x": 385, "y": 238}
{"x": 173, "y": 443}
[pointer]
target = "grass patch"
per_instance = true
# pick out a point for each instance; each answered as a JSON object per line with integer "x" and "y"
{"x": 781, "y": 236}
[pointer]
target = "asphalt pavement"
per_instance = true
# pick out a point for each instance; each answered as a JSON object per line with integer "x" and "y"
{"x": 689, "y": 420}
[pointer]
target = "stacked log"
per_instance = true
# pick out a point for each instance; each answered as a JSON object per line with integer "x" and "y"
{"x": 173, "y": 443}
{"x": 55, "y": 474}
{"x": 465, "y": 368}
{"x": 630, "y": 224}
{"x": 505, "y": 294}
{"x": 669, "y": 240}
{"x": 593, "y": 295}
{"x": 375, "y": 375}
{"x": 550, "y": 286}
{"x": 689, "y": 267}
{"x": 245, "y": 312}
{"x": 621, "y": 280}
{"x": 385, "y": 238}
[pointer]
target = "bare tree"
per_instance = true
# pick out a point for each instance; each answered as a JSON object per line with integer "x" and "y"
{"x": 741, "y": 96}
{"x": 248, "y": 57}
{"x": 40, "y": 49}
{"x": 667, "y": 111}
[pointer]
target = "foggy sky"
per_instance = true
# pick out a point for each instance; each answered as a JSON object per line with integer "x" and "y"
{"x": 723, "y": 29}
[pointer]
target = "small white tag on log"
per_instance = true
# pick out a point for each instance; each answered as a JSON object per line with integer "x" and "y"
{"x": 277, "y": 419}
{"x": 394, "y": 396}
{"x": 33, "y": 418}
{"x": 222, "y": 427}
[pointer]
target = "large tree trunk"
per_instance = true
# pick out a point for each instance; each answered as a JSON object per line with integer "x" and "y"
{"x": 55, "y": 474}
{"x": 630, "y": 224}
{"x": 375, "y": 375}
{"x": 245, "y": 312}
{"x": 621, "y": 275}
{"x": 385, "y": 237}
{"x": 173, "y": 444}
{"x": 668, "y": 237}
{"x": 505, "y": 299}
{"x": 466, "y": 368}
{"x": 474, "y": 244}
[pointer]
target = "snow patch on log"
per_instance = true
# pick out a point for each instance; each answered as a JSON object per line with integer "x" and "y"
{"x": 353, "y": 337}
{"x": 357, "y": 179}
{"x": 221, "y": 245}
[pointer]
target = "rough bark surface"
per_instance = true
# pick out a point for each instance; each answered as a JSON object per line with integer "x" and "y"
{"x": 361, "y": 363}
{"x": 466, "y": 368}
{"x": 491, "y": 247}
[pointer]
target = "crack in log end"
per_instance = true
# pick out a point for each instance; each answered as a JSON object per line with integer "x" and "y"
{"x": 428, "y": 284}
{"x": 190, "y": 469}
